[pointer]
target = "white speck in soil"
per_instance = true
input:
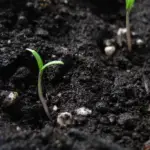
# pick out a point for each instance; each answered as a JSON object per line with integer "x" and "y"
{"x": 101, "y": 107}
{"x": 83, "y": 111}
{"x": 109, "y": 42}
{"x": 55, "y": 108}
{"x": 18, "y": 128}
{"x": 41, "y": 32}
{"x": 127, "y": 120}
{"x": 139, "y": 42}
{"x": 59, "y": 94}
{"x": 109, "y": 50}
{"x": 64, "y": 119}
{"x": 10, "y": 99}
{"x": 120, "y": 35}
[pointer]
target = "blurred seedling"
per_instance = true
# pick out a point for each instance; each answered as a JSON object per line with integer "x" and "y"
{"x": 42, "y": 67}
{"x": 129, "y": 6}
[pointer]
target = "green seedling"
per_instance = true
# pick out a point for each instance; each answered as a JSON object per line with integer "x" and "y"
{"x": 42, "y": 67}
{"x": 129, "y": 6}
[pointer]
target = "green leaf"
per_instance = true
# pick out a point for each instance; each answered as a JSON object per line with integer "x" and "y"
{"x": 37, "y": 57}
{"x": 129, "y": 4}
{"x": 52, "y": 63}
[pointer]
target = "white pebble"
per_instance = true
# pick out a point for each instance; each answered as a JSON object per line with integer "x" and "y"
{"x": 139, "y": 42}
{"x": 18, "y": 128}
{"x": 55, "y": 108}
{"x": 10, "y": 99}
{"x": 120, "y": 33}
{"x": 9, "y": 41}
{"x": 108, "y": 42}
{"x": 59, "y": 94}
{"x": 12, "y": 95}
{"x": 64, "y": 119}
{"x": 109, "y": 50}
{"x": 53, "y": 56}
{"x": 83, "y": 111}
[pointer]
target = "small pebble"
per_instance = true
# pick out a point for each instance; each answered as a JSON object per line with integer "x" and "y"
{"x": 112, "y": 118}
{"x": 22, "y": 20}
{"x": 83, "y": 111}
{"x": 121, "y": 31}
{"x": 101, "y": 107}
{"x": 64, "y": 119}
{"x": 127, "y": 120}
{"x": 120, "y": 34}
{"x": 10, "y": 99}
{"x": 109, "y": 42}
{"x": 55, "y": 108}
{"x": 9, "y": 41}
{"x": 59, "y": 94}
{"x": 139, "y": 42}
{"x": 29, "y": 5}
{"x": 18, "y": 128}
{"x": 109, "y": 50}
{"x": 41, "y": 32}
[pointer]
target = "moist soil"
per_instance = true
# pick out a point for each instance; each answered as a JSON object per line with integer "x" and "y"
{"x": 116, "y": 89}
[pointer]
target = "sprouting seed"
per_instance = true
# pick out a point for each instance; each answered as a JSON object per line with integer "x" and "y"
{"x": 129, "y": 6}
{"x": 42, "y": 67}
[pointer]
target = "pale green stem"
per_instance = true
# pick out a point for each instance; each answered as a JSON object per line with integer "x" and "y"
{"x": 40, "y": 93}
{"x": 129, "y": 41}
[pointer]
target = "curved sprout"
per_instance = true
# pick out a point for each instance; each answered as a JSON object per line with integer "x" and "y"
{"x": 55, "y": 62}
{"x": 41, "y": 69}
{"x": 37, "y": 57}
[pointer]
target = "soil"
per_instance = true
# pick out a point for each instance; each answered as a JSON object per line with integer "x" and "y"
{"x": 116, "y": 89}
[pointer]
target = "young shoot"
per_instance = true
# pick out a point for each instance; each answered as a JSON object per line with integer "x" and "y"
{"x": 42, "y": 67}
{"x": 129, "y": 6}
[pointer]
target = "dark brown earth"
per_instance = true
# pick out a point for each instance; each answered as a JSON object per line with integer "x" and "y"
{"x": 116, "y": 89}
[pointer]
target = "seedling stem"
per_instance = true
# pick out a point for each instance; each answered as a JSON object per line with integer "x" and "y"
{"x": 129, "y": 6}
{"x": 42, "y": 67}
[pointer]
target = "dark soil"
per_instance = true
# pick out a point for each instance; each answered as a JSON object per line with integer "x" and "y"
{"x": 116, "y": 89}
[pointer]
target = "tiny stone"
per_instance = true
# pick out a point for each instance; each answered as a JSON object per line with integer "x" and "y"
{"x": 22, "y": 20}
{"x": 55, "y": 108}
{"x": 121, "y": 31}
{"x": 53, "y": 56}
{"x": 120, "y": 35}
{"x": 59, "y": 94}
{"x": 9, "y": 41}
{"x": 108, "y": 42}
{"x": 128, "y": 120}
{"x": 83, "y": 111}
{"x": 109, "y": 50}
{"x": 41, "y": 32}
{"x": 135, "y": 135}
{"x": 18, "y": 128}
{"x": 134, "y": 33}
{"x": 101, "y": 107}
{"x": 139, "y": 42}
{"x": 104, "y": 120}
{"x": 10, "y": 99}
{"x": 29, "y": 4}
{"x": 64, "y": 119}
{"x": 148, "y": 108}
{"x": 112, "y": 119}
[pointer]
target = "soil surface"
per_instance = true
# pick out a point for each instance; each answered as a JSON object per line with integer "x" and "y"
{"x": 115, "y": 89}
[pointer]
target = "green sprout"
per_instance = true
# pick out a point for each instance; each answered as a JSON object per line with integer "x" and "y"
{"x": 129, "y": 6}
{"x": 42, "y": 67}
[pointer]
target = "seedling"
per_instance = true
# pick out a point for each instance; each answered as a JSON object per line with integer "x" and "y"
{"x": 129, "y": 6}
{"x": 42, "y": 67}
